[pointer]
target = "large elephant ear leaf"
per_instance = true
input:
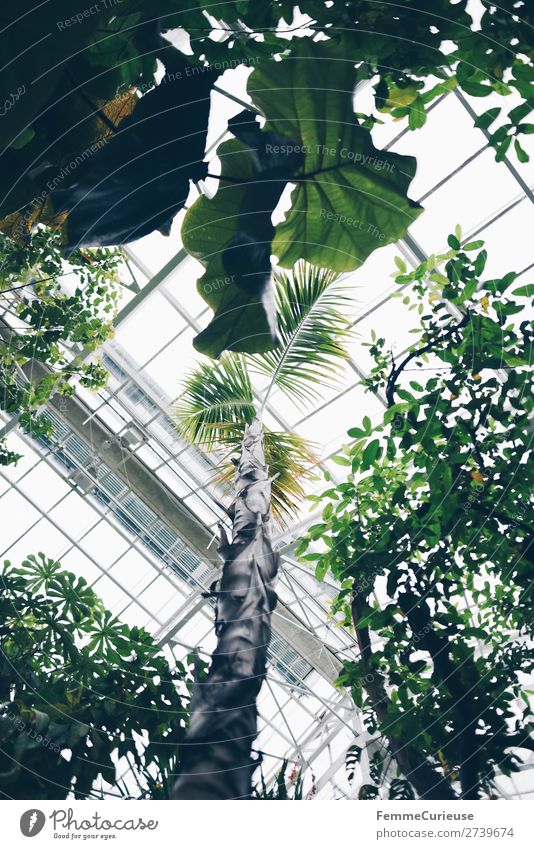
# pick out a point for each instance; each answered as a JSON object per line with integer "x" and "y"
{"x": 231, "y": 235}
{"x": 353, "y": 197}
{"x": 244, "y": 317}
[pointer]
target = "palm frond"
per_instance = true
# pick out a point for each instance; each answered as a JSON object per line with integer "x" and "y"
{"x": 313, "y": 328}
{"x": 215, "y": 403}
{"x": 291, "y": 462}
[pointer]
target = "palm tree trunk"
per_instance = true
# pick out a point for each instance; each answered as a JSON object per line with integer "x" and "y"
{"x": 216, "y": 758}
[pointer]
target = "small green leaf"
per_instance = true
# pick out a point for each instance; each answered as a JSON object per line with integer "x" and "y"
{"x": 502, "y": 149}
{"x": 522, "y": 155}
{"x": 417, "y": 114}
{"x": 356, "y": 433}
{"x": 473, "y": 246}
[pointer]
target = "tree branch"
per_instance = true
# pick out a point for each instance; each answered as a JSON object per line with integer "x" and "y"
{"x": 425, "y": 349}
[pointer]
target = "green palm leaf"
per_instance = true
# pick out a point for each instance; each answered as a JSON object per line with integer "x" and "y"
{"x": 313, "y": 327}
{"x": 217, "y": 399}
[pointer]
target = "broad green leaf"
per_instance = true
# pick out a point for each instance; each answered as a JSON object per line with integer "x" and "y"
{"x": 356, "y": 432}
{"x": 137, "y": 182}
{"x": 487, "y": 118}
{"x": 522, "y": 155}
{"x": 351, "y": 197}
{"x": 417, "y": 114}
{"x": 399, "y": 97}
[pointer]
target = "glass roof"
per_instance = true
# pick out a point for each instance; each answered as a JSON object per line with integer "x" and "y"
{"x": 102, "y": 495}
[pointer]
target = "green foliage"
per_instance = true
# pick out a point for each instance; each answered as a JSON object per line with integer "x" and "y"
{"x": 313, "y": 331}
{"x": 349, "y": 199}
{"x": 79, "y": 690}
{"x": 215, "y": 405}
{"x": 74, "y": 71}
{"x": 208, "y": 229}
{"x": 284, "y": 788}
{"x": 231, "y": 235}
{"x": 352, "y": 198}
{"x": 139, "y": 178}
{"x": 218, "y": 400}
{"x": 51, "y": 306}
{"x": 8, "y": 458}
{"x": 403, "y": 49}
{"x": 435, "y": 513}
{"x": 80, "y": 154}
{"x": 352, "y": 759}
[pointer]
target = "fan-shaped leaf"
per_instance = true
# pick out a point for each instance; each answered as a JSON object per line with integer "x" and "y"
{"x": 354, "y": 197}
{"x": 231, "y": 235}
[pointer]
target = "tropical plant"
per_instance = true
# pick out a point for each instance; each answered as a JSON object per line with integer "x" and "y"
{"x": 70, "y": 122}
{"x": 434, "y": 518}
{"x": 84, "y": 698}
{"x": 80, "y": 150}
{"x": 381, "y": 768}
{"x": 48, "y": 308}
{"x": 402, "y": 49}
{"x": 218, "y": 410}
{"x": 218, "y": 400}
{"x": 348, "y": 198}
